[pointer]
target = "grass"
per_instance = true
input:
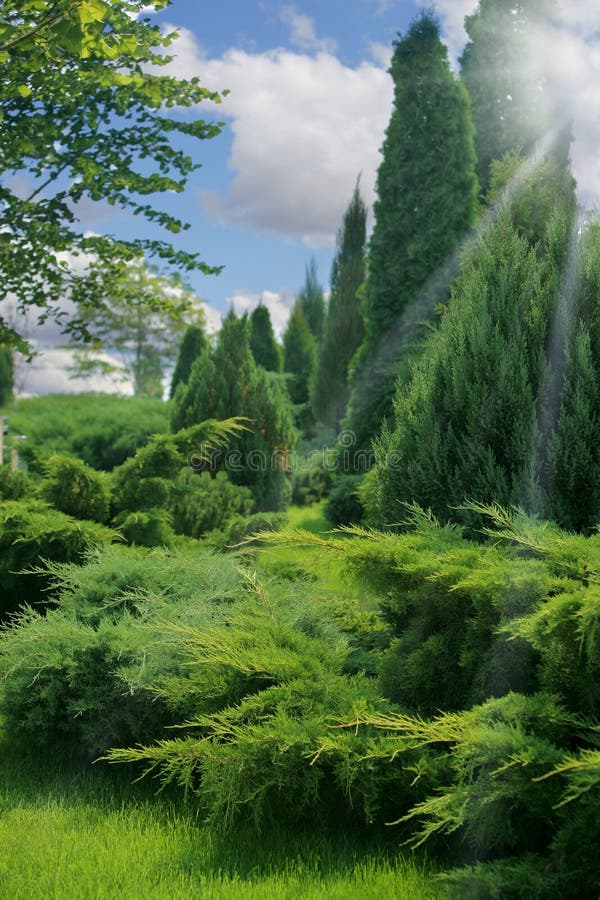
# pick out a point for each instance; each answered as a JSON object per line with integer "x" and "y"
{"x": 92, "y": 835}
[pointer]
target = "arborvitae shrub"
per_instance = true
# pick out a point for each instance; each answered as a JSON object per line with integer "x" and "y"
{"x": 200, "y": 503}
{"x": 75, "y": 489}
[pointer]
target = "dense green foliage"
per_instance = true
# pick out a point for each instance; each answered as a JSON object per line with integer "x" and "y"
{"x": 500, "y": 66}
{"x": 82, "y": 105}
{"x": 75, "y": 489}
{"x": 6, "y": 375}
{"x": 192, "y": 345}
{"x": 343, "y": 329}
{"x": 343, "y": 505}
{"x": 312, "y": 302}
{"x": 469, "y": 426}
{"x": 200, "y": 503}
{"x": 265, "y": 349}
{"x": 103, "y": 430}
{"x": 426, "y": 190}
{"x": 226, "y": 381}
{"x": 299, "y": 356}
{"x": 30, "y": 531}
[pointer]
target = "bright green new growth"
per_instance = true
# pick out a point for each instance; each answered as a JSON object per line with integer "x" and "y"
{"x": 343, "y": 330}
{"x": 426, "y": 189}
{"x": 265, "y": 349}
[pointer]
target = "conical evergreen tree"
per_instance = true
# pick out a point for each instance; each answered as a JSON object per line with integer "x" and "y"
{"x": 467, "y": 426}
{"x": 511, "y": 111}
{"x": 343, "y": 324}
{"x": 427, "y": 189}
{"x": 192, "y": 345}
{"x": 312, "y": 302}
{"x": 225, "y": 381}
{"x": 575, "y": 448}
{"x": 299, "y": 355}
{"x": 265, "y": 348}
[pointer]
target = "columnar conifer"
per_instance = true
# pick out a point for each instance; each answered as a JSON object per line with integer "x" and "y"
{"x": 426, "y": 202}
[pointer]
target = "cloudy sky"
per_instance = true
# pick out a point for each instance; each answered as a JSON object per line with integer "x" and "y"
{"x": 308, "y": 105}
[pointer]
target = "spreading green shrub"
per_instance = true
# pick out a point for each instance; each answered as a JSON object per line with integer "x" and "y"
{"x": 30, "y": 532}
{"x": 311, "y": 483}
{"x": 200, "y": 503}
{"x": 242, "y": 529}
{"x": 75, "y": 489}
{"x": 14, "y": 485}
{"x": 86, "y": 675}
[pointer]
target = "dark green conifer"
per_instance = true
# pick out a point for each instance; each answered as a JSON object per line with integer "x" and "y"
{"x": 427, "y": 190}
{"x": 6, "y": 375}
{"x": 192, "y": 345}
{"x": 343, "y": 324}
{"x": 511, "y": 110}
{"x": 264, "y": 347}
{"x": 299, "y": 355}
{"x": 225, "y": 381}
{"x": 312, "y": 302}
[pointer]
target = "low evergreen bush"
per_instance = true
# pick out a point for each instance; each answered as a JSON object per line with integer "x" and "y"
{"x": 200, "y": 503}
{"x": 75, "y": 489}
{"x": 30, "y": 532}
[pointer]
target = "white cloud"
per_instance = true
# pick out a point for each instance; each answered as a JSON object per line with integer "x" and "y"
{"x": 48, "y": 373}
{"x": 302, "y": 34}
{"x": 303, "y": 127}
{"x": 279, "y": 306}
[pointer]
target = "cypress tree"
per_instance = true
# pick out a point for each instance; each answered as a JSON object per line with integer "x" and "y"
{"x": 468, "y": 425}
{"x": 426, "y": 189}
{"x": 575, "y": 448}
{"x": 6, "y": 375}
{"x": 312, "y": 301}
{"x": 343, "y": 324}
{"x": 225, "y": 381}
{"x": 264, "y": 347}
{"x": 510, "y": 109}
{"x": 299, "y": 355}
{"x": 192, "y": 345}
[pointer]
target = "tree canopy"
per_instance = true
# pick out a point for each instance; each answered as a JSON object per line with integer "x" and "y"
{"x": 86, "y": 114}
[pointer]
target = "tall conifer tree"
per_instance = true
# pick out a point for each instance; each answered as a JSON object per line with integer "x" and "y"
{"x": 427, "y": 190}
{"x": 192, "y": 345}
{"x": 502, "y": 70}
{"x": 343, "y": 324}
{"x": 225, "y": 381}
{"x": 264, "y": 347}
{"x": 300, "y": 355}
{"x": 312, "y": 301}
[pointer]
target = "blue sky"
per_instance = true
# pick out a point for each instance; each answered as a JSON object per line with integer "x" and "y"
{"x": 310, "y": 99}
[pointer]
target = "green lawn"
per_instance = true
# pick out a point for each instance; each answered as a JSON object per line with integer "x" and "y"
{"x": 92, "y": 835}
